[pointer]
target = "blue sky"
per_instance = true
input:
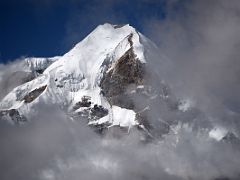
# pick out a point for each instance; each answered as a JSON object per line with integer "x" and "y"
{"x": 51, "y": 27}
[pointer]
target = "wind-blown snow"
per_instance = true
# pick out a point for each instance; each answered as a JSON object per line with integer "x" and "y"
{"x": 40, "y": 63}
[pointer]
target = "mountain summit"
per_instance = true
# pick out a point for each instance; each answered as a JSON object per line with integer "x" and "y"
{"x": 105, "y": 80}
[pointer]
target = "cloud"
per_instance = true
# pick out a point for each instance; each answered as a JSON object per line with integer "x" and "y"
{"x": 12, "y": 75}
{"x": 127, "y": 159}
{"x": 52, "y": 146}
{"x": 201, "y": 40}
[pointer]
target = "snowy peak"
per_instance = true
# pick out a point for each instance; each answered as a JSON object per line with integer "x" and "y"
{"x": 81, "y": 67}
{"x": 97, "y": 80}
{"x": 88, "y": 55}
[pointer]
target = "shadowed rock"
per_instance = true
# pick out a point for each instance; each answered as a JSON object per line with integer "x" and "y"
{"x": 13, "y": 115}
{"x": 85, "y": 102}
{"x": 118, "y": 26}
{"x": 34, "y": 94}
{"x": 128, "y": 70}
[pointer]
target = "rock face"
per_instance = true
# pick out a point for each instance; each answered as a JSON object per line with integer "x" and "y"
{"x": 13, "y": 115}
{"x": 85, "y": 102}
{"x": 34, "y": 94}
{"x": 128, "y": 71}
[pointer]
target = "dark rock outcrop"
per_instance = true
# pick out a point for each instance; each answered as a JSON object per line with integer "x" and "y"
{"x": 128, "y": 70}
{"x": 85, "y": 102}
{"x": 98, "y": 112}
{"x": 39, "y": 71}
{"x": 34, "y": 94}
{"x": 13, "y": 115}
{"x": 118, "y": 26}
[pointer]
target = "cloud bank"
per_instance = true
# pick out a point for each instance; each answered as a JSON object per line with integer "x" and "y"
{"x": 52, "y": 146}
{"x": 200, "y": 39}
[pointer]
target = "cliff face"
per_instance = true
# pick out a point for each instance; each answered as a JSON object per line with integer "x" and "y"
{"x": 126, "y": 73}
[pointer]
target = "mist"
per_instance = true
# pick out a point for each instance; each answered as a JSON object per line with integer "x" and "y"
{"x": 202, "y": 43}
{"x": 199, "y": 40}
{"x": 53, "y": 146}
{"x": 11, "y": 76}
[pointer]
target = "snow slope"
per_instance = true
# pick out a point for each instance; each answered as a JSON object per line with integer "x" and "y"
{"x": 77, "y": 73}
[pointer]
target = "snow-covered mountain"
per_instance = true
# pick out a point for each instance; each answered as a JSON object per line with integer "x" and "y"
{"x": 107, "y": 80}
